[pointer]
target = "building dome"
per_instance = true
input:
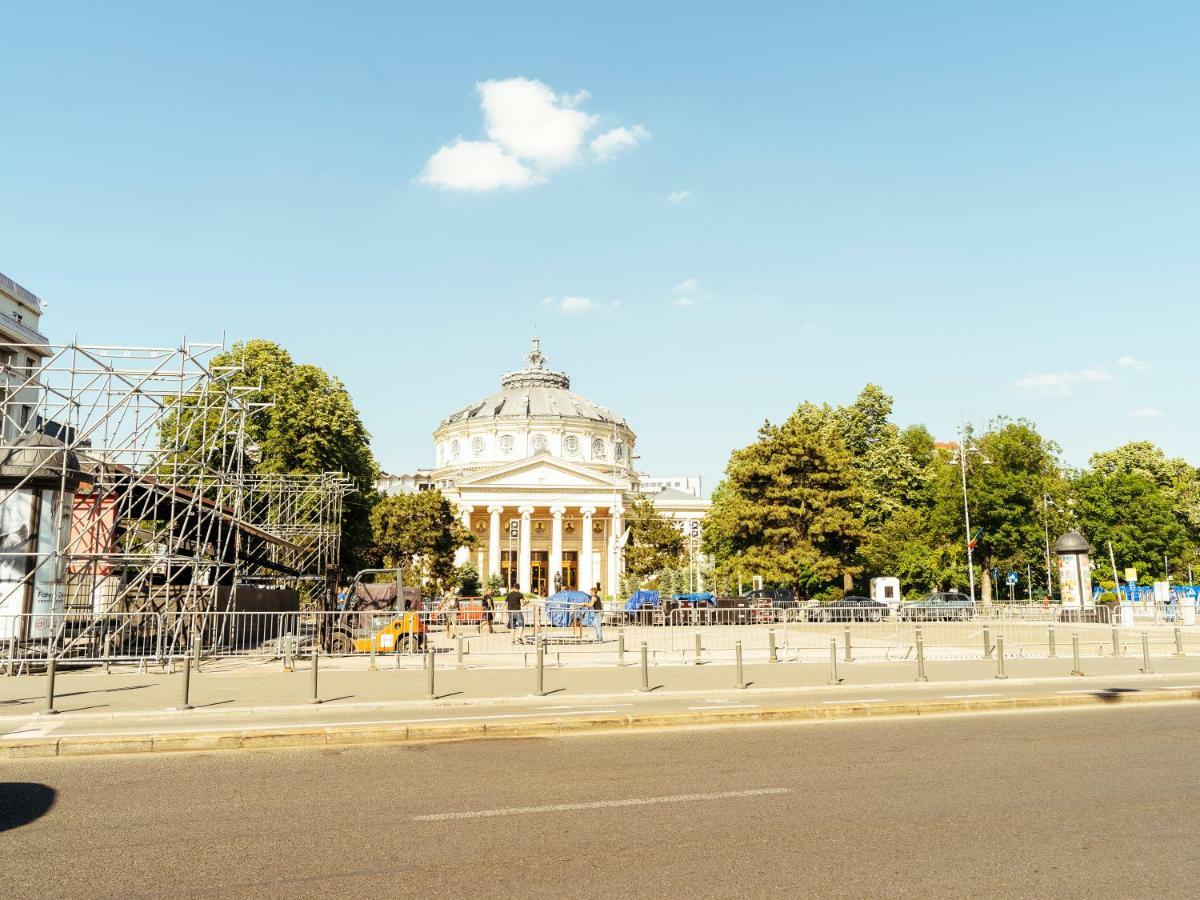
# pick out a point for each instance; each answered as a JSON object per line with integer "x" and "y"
{"x": 534, "y": 412}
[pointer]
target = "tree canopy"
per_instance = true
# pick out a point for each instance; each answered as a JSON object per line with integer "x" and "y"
{"x": 419, "y": 534}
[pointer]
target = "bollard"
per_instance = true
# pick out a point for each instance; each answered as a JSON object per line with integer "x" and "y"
{"x": 1116, "y": 641}
{"x": 620, "y": 649}
{"x": 196, "y": 652}
{"x": 737, "y": 652}
{"x": 1000, "y": 657}
{"x": 833, "y": 672}
{"x": 374, "y": 640}
{"x": 316, "y": 697}
{"x": 1078, "y": 670}
{"x": 50, "y": 666}
{"x": 921, "y": 656}
{"x": 1178, "y": 641}
{"x": 645, "y": 668}
{"x": 186, "y": 688}
{"x": 1146, "y": 670}
{"x": 700, "y": 647}
{"x": 987, "y": 642}
{"x": 541, "y": 668}
{"x": 849, "y": 652}
{"x": 430, "y": 673}
{"x": 1053, "y": 647}
{"x": 772, "y": 656}
{"x": 460, "y": 651}
{"x": 12, "y": 654}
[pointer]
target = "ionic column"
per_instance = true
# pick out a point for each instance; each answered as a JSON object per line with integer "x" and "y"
{"x": 525, "y": 575}
{"x": 616, "y": 528}
{"x": 463, "y": 554}
{"x": 556, "y": 536}
{"x": 493, "y": 566}
{"x": 585, "y": 550}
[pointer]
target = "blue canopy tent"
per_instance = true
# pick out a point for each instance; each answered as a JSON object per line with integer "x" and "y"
{"x": 563, "y": 608}
{"x": 642, "y": 600}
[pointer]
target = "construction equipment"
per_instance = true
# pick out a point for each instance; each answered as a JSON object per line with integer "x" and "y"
{"x": 377, "y": 616}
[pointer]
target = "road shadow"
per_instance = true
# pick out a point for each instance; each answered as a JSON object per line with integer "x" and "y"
{"x": 61, "y": 694}
{"x": 22, "y": 802}
{"x": 1112, "y": 695}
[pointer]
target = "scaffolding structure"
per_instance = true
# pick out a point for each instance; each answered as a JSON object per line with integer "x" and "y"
{"x": 126, "y": 486}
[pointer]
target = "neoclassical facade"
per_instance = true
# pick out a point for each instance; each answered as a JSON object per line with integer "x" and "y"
{"x": 543, "y": 477}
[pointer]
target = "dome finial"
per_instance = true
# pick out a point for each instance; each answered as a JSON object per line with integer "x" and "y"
{"x": 535, "y": 357}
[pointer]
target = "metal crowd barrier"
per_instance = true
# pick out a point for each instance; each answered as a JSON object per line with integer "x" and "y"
{"x": 500, "y": 638}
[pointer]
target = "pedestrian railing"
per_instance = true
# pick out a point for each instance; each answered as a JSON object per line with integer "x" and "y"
{"x": 502, "y": 638}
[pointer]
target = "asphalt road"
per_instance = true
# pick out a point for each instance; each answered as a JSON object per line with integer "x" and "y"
{"x": 1096, "y": 803}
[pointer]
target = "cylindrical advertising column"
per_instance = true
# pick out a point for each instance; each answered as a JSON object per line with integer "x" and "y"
{"x": 1074, "y": 574}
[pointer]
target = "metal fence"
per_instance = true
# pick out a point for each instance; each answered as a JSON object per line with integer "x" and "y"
{"x": 501, "y": 638}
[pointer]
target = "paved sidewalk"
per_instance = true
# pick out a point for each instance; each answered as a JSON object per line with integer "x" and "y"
{"x": 132, "y": 713}
{"x": 94, "y": 693}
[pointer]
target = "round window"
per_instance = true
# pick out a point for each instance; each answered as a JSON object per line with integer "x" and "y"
{"x": 477, "y": 446}
{"x": 539, "y": 443}
{"x": 598, "y": 448}
{"x": 506, "y": 443}
{"x": 571, "y": 444}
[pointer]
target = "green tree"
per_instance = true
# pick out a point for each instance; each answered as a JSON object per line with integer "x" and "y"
{"x": 303, "y": 422}
{"x": 1133, "y": 513}
{"x": 786, "y": 508}
{"x": 419, "y": 533}
{"x": 1009, "y": 468}
{"x": 654, "y": 543}
{"x": 908, "y": 547}
{"x": 1177, "y": 479}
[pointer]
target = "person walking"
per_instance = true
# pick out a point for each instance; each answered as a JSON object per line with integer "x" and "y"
{"x": 598, "y": 614}
{"x": 486, "y": 616}
{"x": 516, "y": 619}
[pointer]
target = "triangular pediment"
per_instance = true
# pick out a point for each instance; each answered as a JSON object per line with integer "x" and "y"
{"x": 541, "y": 471}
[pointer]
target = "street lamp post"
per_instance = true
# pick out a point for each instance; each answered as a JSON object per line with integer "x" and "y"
{"x": 1046, "y": 504}
{"x": 962, "y": 461}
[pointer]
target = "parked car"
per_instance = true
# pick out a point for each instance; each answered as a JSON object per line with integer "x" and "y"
{"x": 849, "y": 609}
{"x": 941, "y": 606}
{"x": 780, "y": 598}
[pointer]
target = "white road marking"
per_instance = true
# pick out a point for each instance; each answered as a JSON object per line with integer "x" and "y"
{"x": 969, "y": 696}
{"x": 1088, "y": 691}
{"x": 1184, "y": 687}
{"x": 876, "y": 700}
{"x": 599, "y": 804}
{"x": 730, "y": 706}
{"x": 614, "y": 705}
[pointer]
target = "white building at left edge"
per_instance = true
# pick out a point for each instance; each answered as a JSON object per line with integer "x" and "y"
{"x": 543, "y": 477}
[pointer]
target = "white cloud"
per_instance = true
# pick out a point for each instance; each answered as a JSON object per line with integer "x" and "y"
{"x": 1061, "y": 383}
{"x": 609, "y": 144}
{"x": 688, "y": 284}
{"x": 1132, "y": 362}
{"x": 684, "y": 301}
{"x": 532, "y": 122}
{"x": 678, "y": 197}
{"x": 476, "y": 166}
{"x": 571, "y": 304}
{"x": 1146, "y": 412}
{"x": 531, "y": 131}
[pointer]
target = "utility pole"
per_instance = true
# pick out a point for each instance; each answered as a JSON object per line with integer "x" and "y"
{"x": 1046, "y": 502}
{"x": 1112, "y": 559}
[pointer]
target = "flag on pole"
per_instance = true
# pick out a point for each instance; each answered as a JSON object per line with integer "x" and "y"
{"x": 974, "y": 541}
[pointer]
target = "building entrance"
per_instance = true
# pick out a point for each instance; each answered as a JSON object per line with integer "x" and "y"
{"x": 570, "y": 570}
{"x": 539, "y": 572}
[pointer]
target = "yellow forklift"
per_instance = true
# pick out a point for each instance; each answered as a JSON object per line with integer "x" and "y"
{"x": 380, "y": 614}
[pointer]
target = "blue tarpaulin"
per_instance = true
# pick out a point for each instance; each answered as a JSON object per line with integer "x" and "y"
{"x": 703, "y": 599}
{"x": 641, "y": 599}
{"x": 563, "y": 608}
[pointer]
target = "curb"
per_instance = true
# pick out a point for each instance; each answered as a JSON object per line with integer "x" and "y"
{"x": 383, "y": 733}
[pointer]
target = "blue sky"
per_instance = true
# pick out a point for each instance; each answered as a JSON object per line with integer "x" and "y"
{"x": 989, "y": 209}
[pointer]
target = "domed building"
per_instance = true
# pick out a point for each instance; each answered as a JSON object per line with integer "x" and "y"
{"x": 542, "y": 476}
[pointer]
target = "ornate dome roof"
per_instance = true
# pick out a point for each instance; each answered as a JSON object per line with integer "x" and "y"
{"x": 534, "y": 391}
